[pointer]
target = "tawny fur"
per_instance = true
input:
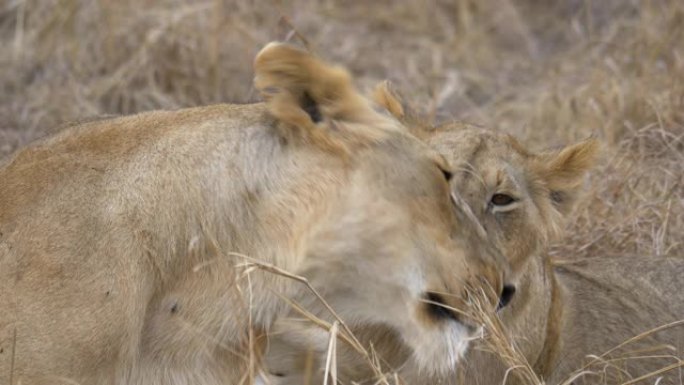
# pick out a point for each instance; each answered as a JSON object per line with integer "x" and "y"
{"x": 118, "y": 236}
{"x": 562, "y": 312}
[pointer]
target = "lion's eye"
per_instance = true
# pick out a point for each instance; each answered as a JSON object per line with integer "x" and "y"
{"x": 502, "y": 199}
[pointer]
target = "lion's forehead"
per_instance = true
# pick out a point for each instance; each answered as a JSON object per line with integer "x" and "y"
{"x": 468, "y": 145}
{"x": 487, "y": 162}
{"x": 489, "y": 157}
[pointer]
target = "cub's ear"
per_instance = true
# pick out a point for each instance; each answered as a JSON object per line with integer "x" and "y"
{"x": 564, "y": 169}
{"x": 313, "y": 98}
{"x": 385, "y": 95}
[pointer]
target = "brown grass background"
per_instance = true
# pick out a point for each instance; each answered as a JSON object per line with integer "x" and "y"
{"x": 550, "y": 72}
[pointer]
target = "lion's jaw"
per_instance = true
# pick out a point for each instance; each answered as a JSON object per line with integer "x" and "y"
{"x": 439, "y": 351}
{"x": 378, "y": 278}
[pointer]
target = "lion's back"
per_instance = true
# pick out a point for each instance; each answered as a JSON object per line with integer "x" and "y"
{"x": 72, "y": 236}
{"x": 613, "y": 299}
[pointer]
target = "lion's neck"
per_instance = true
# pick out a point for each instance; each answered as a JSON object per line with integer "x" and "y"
{"x": 533, "y": 319}
{"x": 546, "y": 360}
{"x": 249, "y": 202}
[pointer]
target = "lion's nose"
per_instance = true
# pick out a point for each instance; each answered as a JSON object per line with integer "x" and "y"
{"x": 439, "y": 308}
{"x": 506, "y": 296}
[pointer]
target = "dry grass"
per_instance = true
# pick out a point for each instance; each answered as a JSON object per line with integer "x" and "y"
{"x": 547, "y": 71}
{"x": 497, "y": 340}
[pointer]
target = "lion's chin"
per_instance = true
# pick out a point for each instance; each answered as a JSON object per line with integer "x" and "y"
{"x": 438, "y": 353}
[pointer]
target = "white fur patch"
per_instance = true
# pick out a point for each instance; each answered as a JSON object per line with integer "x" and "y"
{"x": 438, "y": 352}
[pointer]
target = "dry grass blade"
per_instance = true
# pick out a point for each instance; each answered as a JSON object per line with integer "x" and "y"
{"x": 349, "y": 334}
{"x": 447, "y": 307}
{"x": 465, "y": 207}
{"x": 654, "y": 373}
{"x": 602, "y": 359}
{"x": 634, "y": 339}
{"x": 284, "y": 20}
{"x": 498, "y": 341}
{"x": 331, "y": 357}
{"x": 319, "y": 322}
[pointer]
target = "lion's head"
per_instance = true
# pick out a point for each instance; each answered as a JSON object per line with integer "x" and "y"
{"x": 394, "y": 249}
{"x": 521, "y": 197}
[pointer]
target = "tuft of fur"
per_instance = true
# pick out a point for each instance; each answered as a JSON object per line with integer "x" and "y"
{"x": 303, "y": 92}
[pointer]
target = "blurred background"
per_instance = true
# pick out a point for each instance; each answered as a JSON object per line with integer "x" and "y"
{"x": 549, "y": 72}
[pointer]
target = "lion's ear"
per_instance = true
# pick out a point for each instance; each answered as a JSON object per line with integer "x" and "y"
{"x": 386, "y": 96}
{"x": 310, "y": 96}
{"x": 564, "y": 169}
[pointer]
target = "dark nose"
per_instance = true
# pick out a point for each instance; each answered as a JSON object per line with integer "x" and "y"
{"x": 506, "y": 296}
{"x": 438, "y": 307}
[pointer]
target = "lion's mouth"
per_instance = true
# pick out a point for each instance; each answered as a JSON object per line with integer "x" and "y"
{"x": 441, "y": 311}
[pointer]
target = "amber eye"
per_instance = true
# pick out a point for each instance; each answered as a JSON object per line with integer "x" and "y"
{"x": 502, "y": 199}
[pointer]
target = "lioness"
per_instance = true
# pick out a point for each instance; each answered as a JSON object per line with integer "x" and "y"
{"x": 561, "y": 313}
{"x": 130, "y": 247}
